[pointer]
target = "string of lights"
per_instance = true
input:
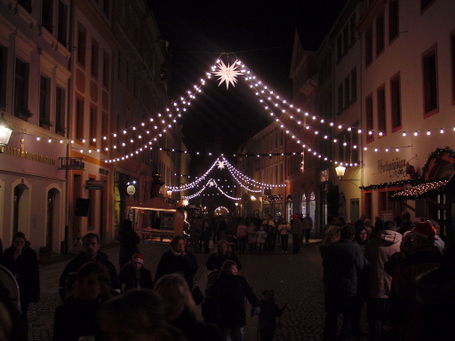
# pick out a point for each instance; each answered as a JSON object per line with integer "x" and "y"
{"x": 221, "y": 162}
{"x": 265, "y": 95}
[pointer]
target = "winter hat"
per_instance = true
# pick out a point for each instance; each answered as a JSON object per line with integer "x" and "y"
{"x": 425, "y": 230}
{"x": 137, "y": 258}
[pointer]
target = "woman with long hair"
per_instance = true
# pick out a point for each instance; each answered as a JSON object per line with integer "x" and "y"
{"x": 229, "y": 292}
{"x": 180, "y": 309}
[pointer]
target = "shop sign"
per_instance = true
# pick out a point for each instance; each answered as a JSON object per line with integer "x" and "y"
{"x": 94, "y": 184}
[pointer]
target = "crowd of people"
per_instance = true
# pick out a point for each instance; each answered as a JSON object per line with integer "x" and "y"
{"x": 394, "y": 269}
{"x": 402, "y": 272}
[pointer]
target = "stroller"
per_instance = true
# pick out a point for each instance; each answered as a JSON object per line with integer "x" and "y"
{"x": 8, "y": 282}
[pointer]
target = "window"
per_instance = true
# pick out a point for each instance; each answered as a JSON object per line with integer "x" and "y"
{"x": 47, "y": 15}
{"x": 81, "y": 46}
{"x": 368, "y": 47}
{"x": 424, "y": 4}
{"x": 395, "y": 97}
{"x": 106, "y": 69}
{"x": 95, "y": 57}
{"x": 339, "y": 47}
{"x": 345, "y": 39}
{"x": 369, "y": 117}
{"x": 60, "y": 111}
{"x": 340, "y": 98}
{"x": 105, "y": 130}
{"x": 452, "y": 47}
{"x": 27, "y": 4}
{"x": 430, "y": 81}
{"x": 93, "y": 126}
{"x": 368, "y": 210}
{"x": 379, "y": 34}
{"x": 352, "y": 24}
{"x": 3, "y": 73}
{"x": 381, "y": 111}
{"x": 393, "y": 19}
{"x": 79, "y": 119}
{"x": 62, "y": 23}
{"x": 44, "y": 102}
{"x": 347, "y": 88}
{"x": 21, "y": 85}
{"x": 353, "y": 84}
{"x": 106, "y": 7}
{"x": 119, "y": 66}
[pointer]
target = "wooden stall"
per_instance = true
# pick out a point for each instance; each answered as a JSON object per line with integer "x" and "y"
{"x": 155, "y": 219}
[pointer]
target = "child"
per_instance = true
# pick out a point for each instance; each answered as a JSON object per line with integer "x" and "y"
{"x": 135, "y": 275}
{"x": 77, "y": 316}
{"x": 261, "y": 237}
{"x": 268, "y": 311}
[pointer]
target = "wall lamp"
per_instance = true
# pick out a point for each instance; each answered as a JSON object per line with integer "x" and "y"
{"x": 5, "y": 134}
{"x": 340, "y": 170}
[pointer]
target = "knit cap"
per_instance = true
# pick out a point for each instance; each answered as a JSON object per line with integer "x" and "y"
{"x": 137, "y": 258}
{"x": 425, "y": 230}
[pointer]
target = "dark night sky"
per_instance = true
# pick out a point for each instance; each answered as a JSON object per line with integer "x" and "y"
{"x": 260, "y": 33}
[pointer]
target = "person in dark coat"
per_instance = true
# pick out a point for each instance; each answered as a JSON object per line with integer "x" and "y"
{"x": 180, "y": 309}
{"x": 22, "y": 261}
{"x": 342, "y": 263}
{"x": 178, "y": 260}
{"x": 222, "y": 254}
{"x": 135, "y": 275}
{"x": 128, "y": 240}
{"x": 229, "y": 292}
{"x": 91, "y": 253}
{"x": 268, "y": 312}
{"x": 77, "y": 316}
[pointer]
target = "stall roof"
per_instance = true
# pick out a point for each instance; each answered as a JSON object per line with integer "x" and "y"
{"x": 155, "y": 204}
{"x": 421, "y": 190}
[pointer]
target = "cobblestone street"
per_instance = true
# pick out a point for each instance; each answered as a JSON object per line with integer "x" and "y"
{"x": 296, "y": 279}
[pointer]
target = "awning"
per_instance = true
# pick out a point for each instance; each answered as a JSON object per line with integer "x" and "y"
{"x": 421, "y": 190}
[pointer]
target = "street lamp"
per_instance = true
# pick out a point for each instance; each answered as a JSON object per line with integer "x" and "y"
{"x": 5, "y": 134}
{"x": 340, "y": 170}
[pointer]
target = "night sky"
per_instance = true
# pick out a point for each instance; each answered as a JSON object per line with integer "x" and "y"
{"x": 261, "y": 34}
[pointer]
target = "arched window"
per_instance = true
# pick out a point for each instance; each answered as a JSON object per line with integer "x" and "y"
{"x": 21, "y": 209}
{"x": 303, "y": 204}
{"x": 312, "y": 204}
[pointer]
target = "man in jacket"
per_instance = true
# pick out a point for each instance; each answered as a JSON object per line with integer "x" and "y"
{"x": 342, "y": 263}
{"x": 178, "y": 260}
{"x": 296, "y": 231}
{"x": 379, "y": 251}
{"x": 90, "y": 253}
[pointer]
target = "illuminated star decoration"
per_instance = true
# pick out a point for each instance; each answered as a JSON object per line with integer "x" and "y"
{"x": 227, "y": 74}
{"x": 221, "y": 164}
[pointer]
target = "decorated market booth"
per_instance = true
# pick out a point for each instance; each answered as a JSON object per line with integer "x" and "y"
{"x": 155, "y": 219}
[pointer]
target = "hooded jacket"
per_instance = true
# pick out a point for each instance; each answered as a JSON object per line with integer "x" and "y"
{"x": 378, "y": 251}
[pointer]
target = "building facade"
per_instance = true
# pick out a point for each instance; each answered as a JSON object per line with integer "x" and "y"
{"x": 80, "y": 84}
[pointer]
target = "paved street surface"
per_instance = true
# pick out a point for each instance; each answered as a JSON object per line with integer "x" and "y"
{"x": 296, "y": 279}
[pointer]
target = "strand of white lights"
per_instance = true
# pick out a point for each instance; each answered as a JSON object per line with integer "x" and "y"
{"x": 194, "y": 183}
{"x": 239, "y": 182}
{"x": 254, "y": 85}
{"x": 226, "y": 195}
{"x": 211, "y": 183}
{"x": 184, "y": 101}
{"x": 188, "y": 197}
{"x": 262, "y": 185}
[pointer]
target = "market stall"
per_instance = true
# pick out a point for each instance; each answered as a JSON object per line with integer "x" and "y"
{"x": 155, "y": 219}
